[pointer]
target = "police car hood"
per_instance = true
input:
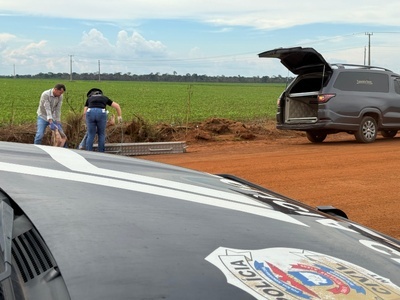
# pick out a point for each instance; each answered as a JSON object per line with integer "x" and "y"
{"x": 126, "y": 228}
{"x": 299, "y": 60}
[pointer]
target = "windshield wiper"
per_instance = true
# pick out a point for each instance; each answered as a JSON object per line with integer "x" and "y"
{"x": 6, "y": 228}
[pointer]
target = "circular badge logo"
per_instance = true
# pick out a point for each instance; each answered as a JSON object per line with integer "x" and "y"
{"x": 287, "y": 273}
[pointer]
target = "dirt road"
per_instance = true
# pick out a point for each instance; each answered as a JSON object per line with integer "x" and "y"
{"x": 361, "y": 179}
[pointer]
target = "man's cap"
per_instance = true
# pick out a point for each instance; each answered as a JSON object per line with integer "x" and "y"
{"x": 94, "y": 91}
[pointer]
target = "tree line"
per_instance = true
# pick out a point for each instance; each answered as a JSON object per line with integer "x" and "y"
{"x": 155, "y": 77}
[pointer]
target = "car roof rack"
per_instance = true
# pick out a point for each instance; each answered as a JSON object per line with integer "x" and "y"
{"x": 343, "y": 66}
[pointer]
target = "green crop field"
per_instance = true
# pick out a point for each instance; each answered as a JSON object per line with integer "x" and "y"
{"x": 155, "y": 102}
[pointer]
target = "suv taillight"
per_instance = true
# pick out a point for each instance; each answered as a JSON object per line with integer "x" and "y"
{"x": 278, "y": 101}
{"x": 323, "y": 98}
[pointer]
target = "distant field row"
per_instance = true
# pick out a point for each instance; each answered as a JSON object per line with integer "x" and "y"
{"x": 155, "y": 102}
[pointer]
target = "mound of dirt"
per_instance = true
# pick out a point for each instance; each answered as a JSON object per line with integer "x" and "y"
{"x": 213, "y": 129}
{"x": 220, "y": 129}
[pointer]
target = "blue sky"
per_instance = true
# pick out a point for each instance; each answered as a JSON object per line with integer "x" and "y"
{"x": 216, "y": 38}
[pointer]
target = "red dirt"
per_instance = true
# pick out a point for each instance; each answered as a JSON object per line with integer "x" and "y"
{"x": 360, "y": 179}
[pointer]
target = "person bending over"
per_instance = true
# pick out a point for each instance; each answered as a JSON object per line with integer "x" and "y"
{"x": 95, "y": 114}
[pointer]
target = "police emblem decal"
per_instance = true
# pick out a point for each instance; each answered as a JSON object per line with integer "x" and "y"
{"x": 288, "y": 273}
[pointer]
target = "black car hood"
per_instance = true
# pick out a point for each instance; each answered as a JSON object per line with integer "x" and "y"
{"x": 126, "y": 228}
{"x": 299, "y": 60}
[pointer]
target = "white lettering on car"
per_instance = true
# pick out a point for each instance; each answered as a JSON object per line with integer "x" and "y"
{"x": 300, "y": 210}
{"x": 376, "y": 246}
{"x": 366, "y": 82}
{"x": 297, "y": 208}
{"x": 334, "y": 224}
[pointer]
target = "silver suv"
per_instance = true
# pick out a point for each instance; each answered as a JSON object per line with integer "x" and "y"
{"x": 330, "y": 98}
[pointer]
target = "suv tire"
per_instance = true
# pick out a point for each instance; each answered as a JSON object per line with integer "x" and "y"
{"x": 389, "y": 133}
{"x": 316, "y": 136}
{"x": 367, "y": 131}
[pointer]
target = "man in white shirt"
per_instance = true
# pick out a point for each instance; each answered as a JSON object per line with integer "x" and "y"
{"x": 49, "y": 111}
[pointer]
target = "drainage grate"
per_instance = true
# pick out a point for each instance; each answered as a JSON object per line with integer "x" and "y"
{"x": 31, "y": 255}
{"x": 130, "y": 149}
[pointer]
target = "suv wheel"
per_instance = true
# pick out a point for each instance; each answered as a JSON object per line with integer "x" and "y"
{"x": 389, "y": 133}
{"x": 316, "y": 136}
{"x": 367, "y": 131}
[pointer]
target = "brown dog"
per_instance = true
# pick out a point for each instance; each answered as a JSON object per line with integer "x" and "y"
{"x": 58, "y": 138}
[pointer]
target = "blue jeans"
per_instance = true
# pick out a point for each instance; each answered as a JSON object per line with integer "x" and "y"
{"x": 96, "y": 121}
{"x": 41, "y": 128}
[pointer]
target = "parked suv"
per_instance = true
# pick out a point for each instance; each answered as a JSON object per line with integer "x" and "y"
{"x": 330, "y": 98}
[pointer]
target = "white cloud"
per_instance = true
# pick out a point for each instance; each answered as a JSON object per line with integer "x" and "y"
{"x": 27, "y": 52}
{"x": 134, "y": 45}
{"x": 94, "y": 43}
{"x": 253, "y": 13}
{"x": 6, "y": 37}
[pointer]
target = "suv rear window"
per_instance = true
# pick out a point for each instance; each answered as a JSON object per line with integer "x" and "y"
{"x": 362, "y": 82}
{"x": 308, "y": 84}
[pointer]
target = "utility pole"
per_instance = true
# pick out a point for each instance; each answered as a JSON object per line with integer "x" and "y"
{"x": 99, "y": 69}
{"x": 369, "y": 46}
{"x": 365, "y": 51}
{"x": 70, "y": 67}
